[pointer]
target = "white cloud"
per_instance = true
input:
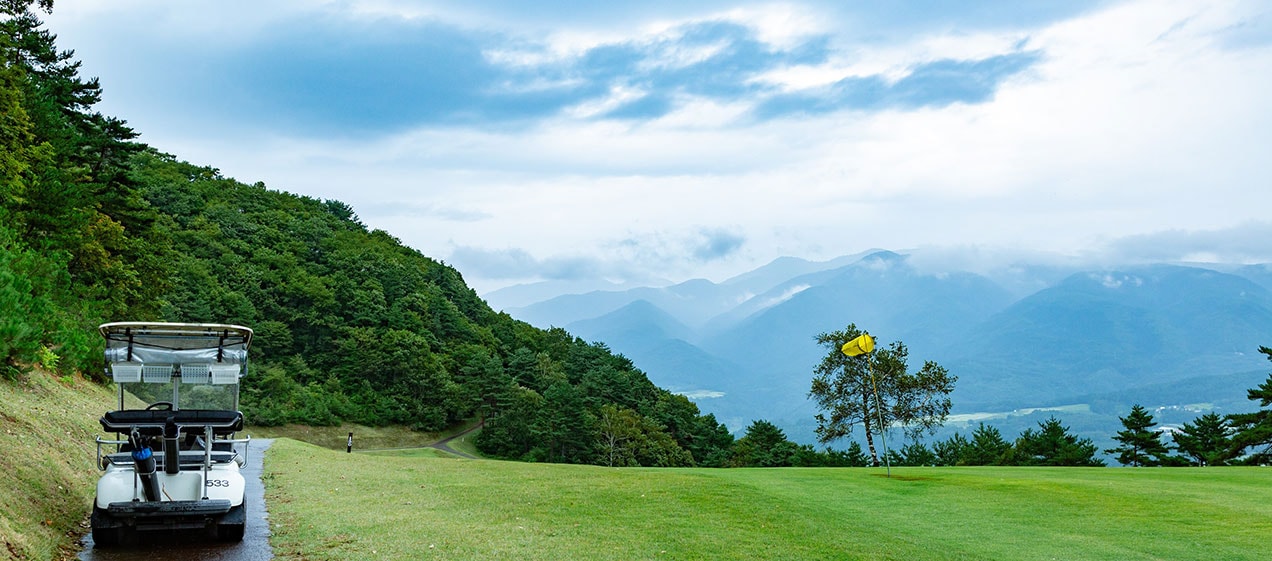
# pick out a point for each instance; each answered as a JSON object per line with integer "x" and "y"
{"x": 1140, "y": 117}
{"x": 783, "y": 26}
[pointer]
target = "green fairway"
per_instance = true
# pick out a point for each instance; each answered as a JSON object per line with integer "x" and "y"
{"x": 328, "y": 505}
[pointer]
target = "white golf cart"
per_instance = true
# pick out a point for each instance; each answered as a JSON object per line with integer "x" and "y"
{"x": 175, "y": 463}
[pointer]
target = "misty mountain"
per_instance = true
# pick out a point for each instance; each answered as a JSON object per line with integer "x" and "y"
{"x": 657, "y": 343}
{"x": 639, "y": 320}
{"x": 521, "y": 295}
{"x": 1170, "y": 336}
{"x": 1259, "y": 274}
{"x": 1111, "y": 331}
{"x": 693, "y": 302}
{"x": 880, "y": 293}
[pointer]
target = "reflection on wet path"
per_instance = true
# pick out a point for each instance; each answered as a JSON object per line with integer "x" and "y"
{"x": 197, "y": 546}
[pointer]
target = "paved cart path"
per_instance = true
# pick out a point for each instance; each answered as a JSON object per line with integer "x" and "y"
{"x": 444, "y": 444}
{"x": 194, "y": 546}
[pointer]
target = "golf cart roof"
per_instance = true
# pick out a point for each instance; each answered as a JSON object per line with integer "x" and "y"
{"x": 175, "y": 343}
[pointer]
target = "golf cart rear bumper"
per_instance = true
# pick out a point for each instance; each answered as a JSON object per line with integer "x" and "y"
{"x": 168, "y": 509}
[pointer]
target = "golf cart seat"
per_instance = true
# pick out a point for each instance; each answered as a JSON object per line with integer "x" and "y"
{"x": 150, "y": 422}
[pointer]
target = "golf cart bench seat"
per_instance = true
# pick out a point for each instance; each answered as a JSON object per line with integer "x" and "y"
{"x": 150, "y": 422}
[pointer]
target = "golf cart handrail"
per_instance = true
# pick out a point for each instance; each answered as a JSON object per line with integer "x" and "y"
{"x": 206, "y": 457}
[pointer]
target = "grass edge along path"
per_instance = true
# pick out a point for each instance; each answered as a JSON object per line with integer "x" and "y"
{"x": 368, "y": 439}
{"x": 47, "y": 477}
{"x": 333, "y": 506}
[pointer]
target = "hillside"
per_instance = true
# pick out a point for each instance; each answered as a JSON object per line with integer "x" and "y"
{"x": 49, "y": 423}
{"x": 350, "y": 325}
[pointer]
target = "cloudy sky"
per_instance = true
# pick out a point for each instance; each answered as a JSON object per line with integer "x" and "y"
{"x": 567, "y": 139}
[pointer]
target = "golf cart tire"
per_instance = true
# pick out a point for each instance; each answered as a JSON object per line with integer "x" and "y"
{"x": 232, "y": 525}
{"x": 106, "y": 537}
{"x": 105, "y": 532}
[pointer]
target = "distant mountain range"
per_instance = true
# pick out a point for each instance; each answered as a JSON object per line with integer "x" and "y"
{"x": 1176, "y": 337}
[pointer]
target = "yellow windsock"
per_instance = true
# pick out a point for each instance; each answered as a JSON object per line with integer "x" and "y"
{"x": 859, "y": 346}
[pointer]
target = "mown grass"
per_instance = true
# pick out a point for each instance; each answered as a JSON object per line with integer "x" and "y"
{"x": 328, "y": 505}
{"x": 47, "y": 476}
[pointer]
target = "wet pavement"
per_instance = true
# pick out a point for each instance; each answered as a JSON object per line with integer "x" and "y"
{"x": 199, "y": 546}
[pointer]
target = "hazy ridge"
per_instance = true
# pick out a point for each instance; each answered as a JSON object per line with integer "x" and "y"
{"x": 1179, "y": 337}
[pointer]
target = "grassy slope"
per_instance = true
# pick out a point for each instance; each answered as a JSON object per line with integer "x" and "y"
{"x": 366, "y": 438}
{"x": 328, "y": 505}
{"x": 47, "y": 478}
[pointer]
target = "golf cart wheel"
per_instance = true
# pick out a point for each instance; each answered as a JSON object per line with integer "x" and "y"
{"x": 106, "y": 537}
{"x": 231, "y": 528}
{"x": 229, "y": 532}
{"x": 105, "y": 533}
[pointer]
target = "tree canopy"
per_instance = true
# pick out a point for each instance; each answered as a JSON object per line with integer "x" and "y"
{"x": 844, "y": 389}
{"x": 1205, "y": 441}
{"x": 1053, "y": 445}
{"x": 1140, "y": 444}
{"x": 1253, "y": 431}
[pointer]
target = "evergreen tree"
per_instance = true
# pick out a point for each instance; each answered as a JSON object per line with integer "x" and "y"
{"x": 987, "y": 447}
{"x": 67, "y": 197}
{"x": 711, "y": 442}
{"x": 763, "y": 445}
{"x": 950, "y": 452}
{"x": 1141, "y": 445}
{"x": 1253, "y": 431}
{"x": 1052, "y": 445}
{"x": 854, "y": 456}
{"x": 561, "y": 427}
{"x": 1205, "y": 441}
{"x": 510, "y": 434}
{"x": 913, "y": 454}
{"x": 81, "y": 199}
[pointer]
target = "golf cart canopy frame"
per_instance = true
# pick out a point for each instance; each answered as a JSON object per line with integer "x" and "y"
{"x": 175, "y": 353}
{"x": 175, "y": 343}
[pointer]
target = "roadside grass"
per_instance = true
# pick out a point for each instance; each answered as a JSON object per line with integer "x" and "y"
{"x": 364, "y": 438}
{"x": 47, "y": 476}
{"x": 411, "y": 453}
{"x": 466, "y": 443}
{"x": 339, "y": 506}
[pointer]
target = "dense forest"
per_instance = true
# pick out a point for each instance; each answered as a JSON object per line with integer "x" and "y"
{"x": 351, "y": 326}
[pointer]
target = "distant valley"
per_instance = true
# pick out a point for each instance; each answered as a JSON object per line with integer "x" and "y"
{"x": 1025, "y": 341}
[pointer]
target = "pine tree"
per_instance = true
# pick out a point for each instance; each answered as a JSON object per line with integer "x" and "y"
{"x": 1141, "y": 445}
{"x": 987, "y": 448}
{"x": 763, "y": 445}
{"x": 66, "y": 189}
{"x": 913, "y": 454}
{"x": 950, "y": 452}
{"x": 1205, "y": 441}
{"x": 1254, "y": 430}
{"x": 854, "y": 456}
{"x": 1052, "y": 445}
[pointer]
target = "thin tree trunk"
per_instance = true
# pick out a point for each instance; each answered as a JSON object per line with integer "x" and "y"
{"x": 865, "y": 406}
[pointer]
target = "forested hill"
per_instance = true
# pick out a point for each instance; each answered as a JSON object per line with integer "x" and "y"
{"x": 350, "y": 325}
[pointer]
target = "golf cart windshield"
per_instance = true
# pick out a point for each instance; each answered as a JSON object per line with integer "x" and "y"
{"x": 187, "y": 365}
